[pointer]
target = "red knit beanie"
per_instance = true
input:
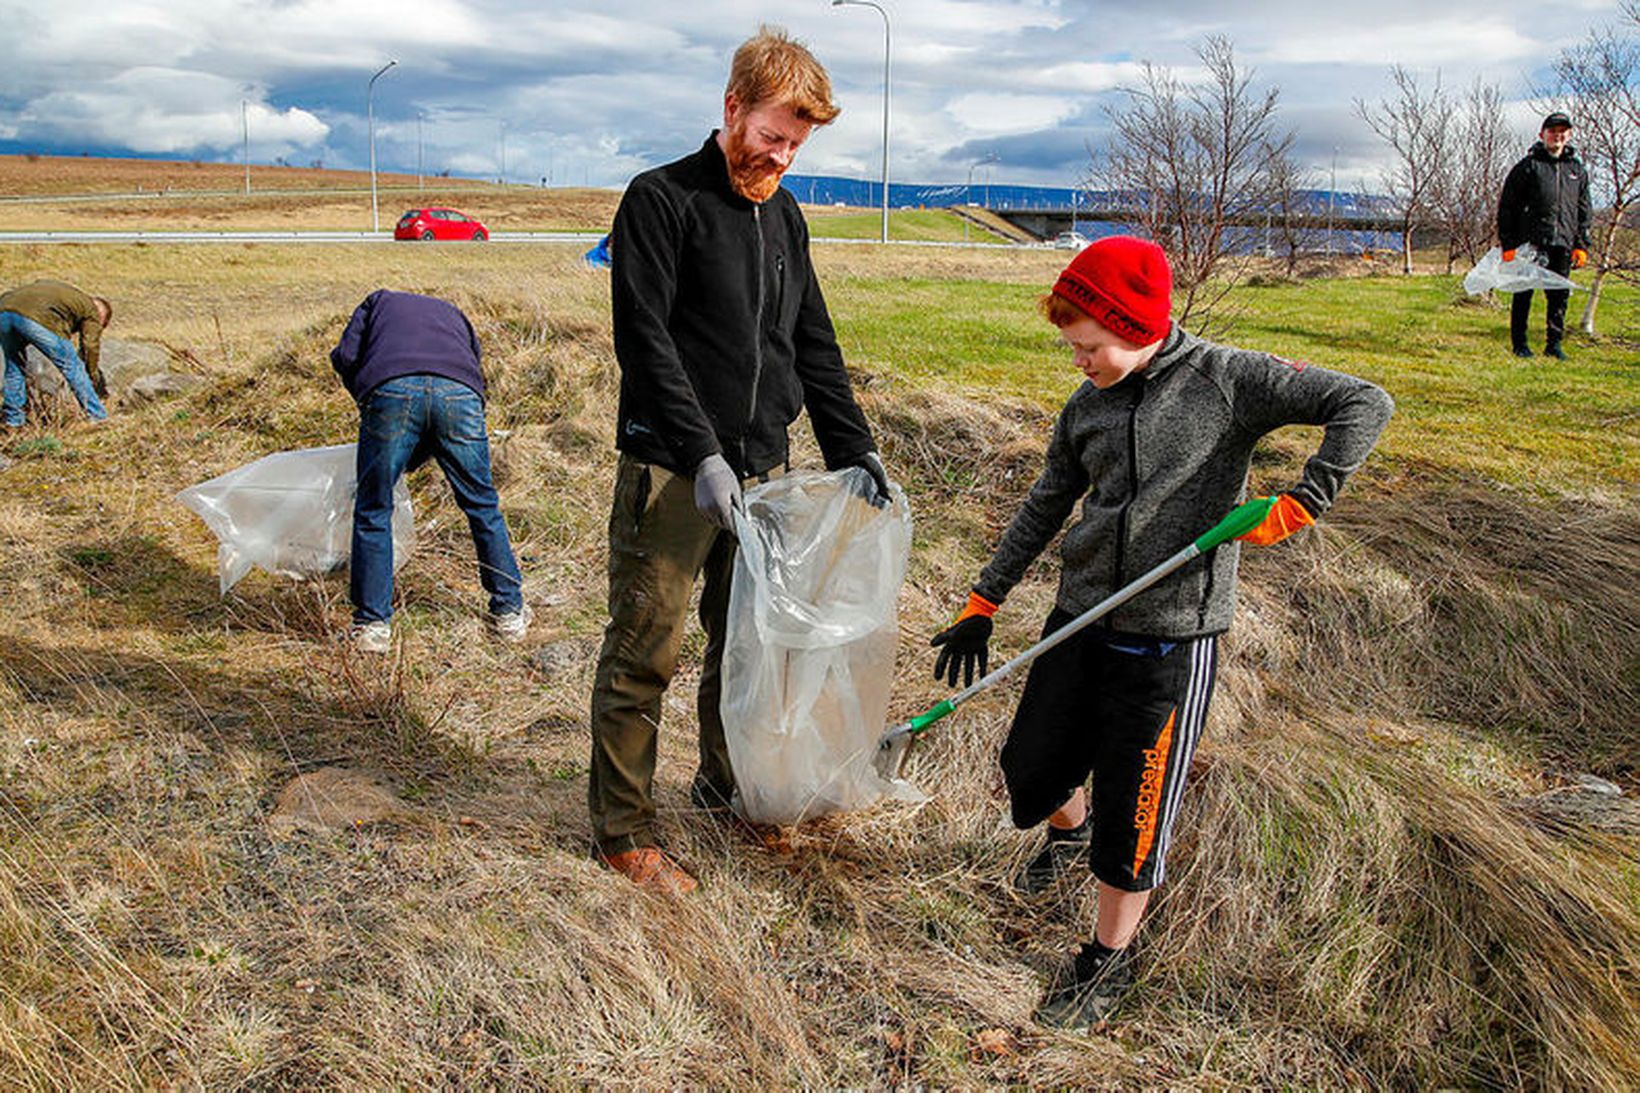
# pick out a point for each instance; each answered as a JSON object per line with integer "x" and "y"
{"x": 1124, "y": 284}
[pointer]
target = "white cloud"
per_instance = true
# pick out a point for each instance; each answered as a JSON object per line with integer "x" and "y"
{"x": 154, "y": 110}
{"x": 1086, "y": 77}
{"x": 1448, "y": 39}
{"x": 615, "y": 85}
{"x": 988, "y": 114}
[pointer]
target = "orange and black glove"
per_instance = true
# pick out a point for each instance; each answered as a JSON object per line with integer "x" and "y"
{"x": 1287, "y": 515}
{"x": 966, "y": 643}
{"x": 1579, "y": 257}
{"x": 1509, "y": 255}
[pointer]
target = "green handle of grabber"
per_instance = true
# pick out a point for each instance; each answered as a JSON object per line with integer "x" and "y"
{"x": 1241, "y": 519}
{"x": 923, "y": 720}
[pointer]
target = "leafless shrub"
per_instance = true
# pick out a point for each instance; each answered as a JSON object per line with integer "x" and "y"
{"x": 1192, "y": 166}
{"x": 1416, "y": 122}
{"x": 1467, "y": 189}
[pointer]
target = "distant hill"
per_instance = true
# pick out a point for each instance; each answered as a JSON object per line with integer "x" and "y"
{"x": 33, "y": 175}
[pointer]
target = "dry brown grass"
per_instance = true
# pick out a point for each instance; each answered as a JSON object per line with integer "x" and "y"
{"x": 38, "y": 174}
{"x": 1356, "y": 901}
{"x": 207, "y": 197}
{"x": 512, "y": 208}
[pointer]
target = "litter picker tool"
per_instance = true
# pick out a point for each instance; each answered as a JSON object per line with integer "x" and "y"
{"x": 892, "y": 748}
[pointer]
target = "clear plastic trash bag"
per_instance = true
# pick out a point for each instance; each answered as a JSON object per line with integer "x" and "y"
{"x": 290, "y": 513}
{"x": 809, "y": 660}
{"x": 1525, "y": 273}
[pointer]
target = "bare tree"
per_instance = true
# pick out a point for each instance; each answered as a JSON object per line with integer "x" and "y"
{"x": 1189, "y": 165}
{"x": 1598, "y": 82}
{"x": 1468, "y": 189}
{"x": 1285, "y": 211}
{"x": 1416, "y": 122}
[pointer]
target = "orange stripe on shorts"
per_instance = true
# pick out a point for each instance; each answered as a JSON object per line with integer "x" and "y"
{"x": 1149, "y": 806}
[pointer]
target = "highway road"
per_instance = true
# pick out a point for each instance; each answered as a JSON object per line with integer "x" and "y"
{"x": 583, "y": 238}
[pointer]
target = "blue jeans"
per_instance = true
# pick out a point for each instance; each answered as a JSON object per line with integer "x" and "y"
{"x": 17, "y": 333}
{"x": 402, "y": 424}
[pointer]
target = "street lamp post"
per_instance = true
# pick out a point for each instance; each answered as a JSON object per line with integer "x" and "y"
{"x": 886, "y": 52}
{"x": 421, "y": 115}
{"x": 245, "y": 131}
{"x": 370, "y": 112}
{"x": 968, "y": 194}
{"x": 1332, "y": 192}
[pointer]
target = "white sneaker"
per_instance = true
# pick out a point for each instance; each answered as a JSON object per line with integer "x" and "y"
{"x": 513, "y": 626}
{"x": 372, "y": 637}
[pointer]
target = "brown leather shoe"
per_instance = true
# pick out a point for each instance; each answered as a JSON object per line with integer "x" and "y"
{"x": 650, "y": 869}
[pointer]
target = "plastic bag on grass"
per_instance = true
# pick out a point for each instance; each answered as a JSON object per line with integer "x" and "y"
{"x": 809, "y": 658}
{"x": 1525, "y": 273}
{"x": 290, "y": 513}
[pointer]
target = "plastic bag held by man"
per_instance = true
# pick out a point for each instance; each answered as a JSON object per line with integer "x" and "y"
{"x": 290, "y": 513}
{"x": 1523, "y": 273}
{"x": 810, "y": 649}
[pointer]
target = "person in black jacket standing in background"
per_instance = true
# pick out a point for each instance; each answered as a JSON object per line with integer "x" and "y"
{"x": 723, "y": 337}
{"x": 1545, "y": 203}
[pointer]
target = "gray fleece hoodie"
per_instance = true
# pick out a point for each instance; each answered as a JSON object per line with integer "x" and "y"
{"x": 1161, "y": 457}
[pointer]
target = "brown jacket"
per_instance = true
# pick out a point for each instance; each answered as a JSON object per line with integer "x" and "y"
{"x": 62, "y": 309}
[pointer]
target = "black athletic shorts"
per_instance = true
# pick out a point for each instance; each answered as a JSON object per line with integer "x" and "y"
{"x": 1127, "y": 709}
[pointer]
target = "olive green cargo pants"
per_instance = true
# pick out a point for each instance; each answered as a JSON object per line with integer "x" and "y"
{"x": 658, "y": 544}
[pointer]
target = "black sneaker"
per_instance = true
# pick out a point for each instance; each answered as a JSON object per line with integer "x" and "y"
{"x": 1065, "y": 849}
{"x": 1554, "y": 351}
{"x": 1099, "y": 979}
{"x": 1522, "y": 351}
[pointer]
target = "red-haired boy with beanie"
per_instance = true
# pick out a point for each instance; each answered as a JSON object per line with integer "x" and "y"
{"x": 1156, "y": 446}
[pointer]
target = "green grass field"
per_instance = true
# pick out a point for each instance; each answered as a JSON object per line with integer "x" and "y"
{"x": 918, "y": 225}
{"x": 1386, "y": 874}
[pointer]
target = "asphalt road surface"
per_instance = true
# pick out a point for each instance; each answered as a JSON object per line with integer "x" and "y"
{"x": 587, "y": 238}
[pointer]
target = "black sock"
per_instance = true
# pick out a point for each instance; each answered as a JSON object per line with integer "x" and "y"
{"x": 1094, "y": 956}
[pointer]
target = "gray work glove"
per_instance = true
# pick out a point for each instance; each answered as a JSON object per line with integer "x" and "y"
{"x": 877, "y": 493}
{"x": 717, "y": 491}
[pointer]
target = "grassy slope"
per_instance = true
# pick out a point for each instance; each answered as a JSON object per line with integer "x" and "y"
{"x": 920, "y": 225}
{"x": 1363, "y": 893}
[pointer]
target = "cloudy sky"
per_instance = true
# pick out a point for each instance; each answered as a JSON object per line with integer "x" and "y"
{"x": 591, "y": 91}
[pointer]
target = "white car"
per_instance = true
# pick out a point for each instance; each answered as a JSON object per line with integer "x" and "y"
{"x": 1070, "y": 241}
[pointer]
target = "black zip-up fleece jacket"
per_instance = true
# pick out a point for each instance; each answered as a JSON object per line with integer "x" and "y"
{"x": 720, "y": 329}
{"x": 1545, "y": 201}
{"x": 1160, "y": 458}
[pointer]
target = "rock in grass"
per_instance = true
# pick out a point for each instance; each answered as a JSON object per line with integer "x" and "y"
{"x": 1591, "y": 783}
{"x": 1588, "y": 803}
{"x": 160, "y": 385}
{"x": 333, "y": 799}
{"x": 123, "y": 363}
{"x": 558, "y": 657}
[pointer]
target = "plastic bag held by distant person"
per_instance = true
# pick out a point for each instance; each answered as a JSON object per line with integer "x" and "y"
{"x": 290, "y": 513}
{"x": 810, "y": 651}
{"x": 1525, "y": 273}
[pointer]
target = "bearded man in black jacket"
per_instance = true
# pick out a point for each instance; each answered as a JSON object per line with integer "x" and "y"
{"x": 1545, "y": 202}
{"x": 723, "y": 337}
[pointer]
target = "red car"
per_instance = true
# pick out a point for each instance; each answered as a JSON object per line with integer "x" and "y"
{"x": 437, "y": 223}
